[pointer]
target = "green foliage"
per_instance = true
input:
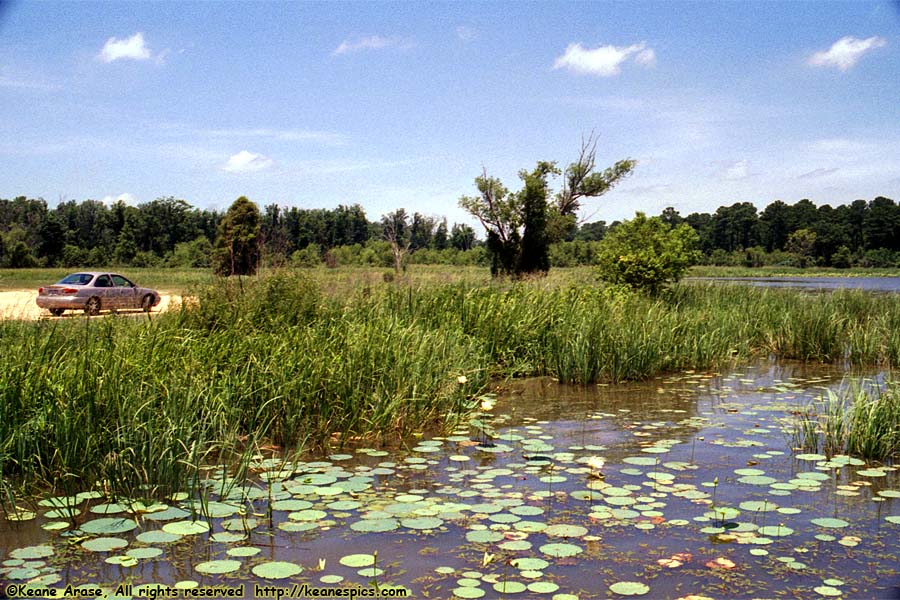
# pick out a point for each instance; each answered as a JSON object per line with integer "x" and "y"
{"x": 802, "y": 243}
{"x": 311, "y": 256}
{"x": 194, "y": 254}
{"x": 534, "y": 254}
{"x": 842, "y": 259}
{"x": 16, "y": 250}
{"x": 574, "y": 253}
{"x": 879, "y": 258}
{"x": 521, "y": 226}
{"x": 92, "y": 234}
{"x": 237, "y": 246}
{"x": 462, "y": 237}
{"x": 646, "y": 253}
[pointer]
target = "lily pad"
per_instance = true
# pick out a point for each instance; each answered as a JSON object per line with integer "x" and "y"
{"x": 32, "y": 552}
{"x": 215, "y": 567}
{"x": 422, "y": 523}
{"x": 830, "y": 523}
{"x": 468, "y": 592}
{"x": 827, "y": 590}
{"x": 775, "y": 531}
{"x": 629, "y": 588}
{"x": 374, "y": 525}
{"x": 104, "y": 544}
{"x": 277, "y": 570}
{"x": 19, "y": 514}
{"x": 357, "y": 561}
{"x": 561, "y": 550}
{"x": 186, "y": 527}
{"x": 510, "y": 587}
{"x": 243, "y": 551}
{"x": 217, "y": 510}
{"x": 158, "y": 537}
{"x": 144, "y": 553}
{"x": 566, "y": 531}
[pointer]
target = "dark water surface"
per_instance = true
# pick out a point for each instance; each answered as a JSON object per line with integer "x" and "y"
{"x": 700, "y": 494}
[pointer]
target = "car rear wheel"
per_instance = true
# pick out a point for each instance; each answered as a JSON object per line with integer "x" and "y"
{"x": 57, "y": 312}
{"x": 147, "y": 303}
{"x": 92, "y": 307}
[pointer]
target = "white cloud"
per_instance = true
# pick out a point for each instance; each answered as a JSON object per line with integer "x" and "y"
{"x": 287, "y": 135}
{"x": 646, "y": 58}
{"x": 373, "y": 42}
{"x": 161, "y": 57}
{"x": 845, "y": 52}
{"x": 735, "y": 172}
{"x": 127, "y": 198}
{"x": 25, "y": 84}
{"x": 818, "y": 173}
{"x": 247, "y": 162}
{"x": 465, "y": 34}
{"x": 842, "y": 147}
{"x": 132, "y": 48}
{"x": 604, "y": 61}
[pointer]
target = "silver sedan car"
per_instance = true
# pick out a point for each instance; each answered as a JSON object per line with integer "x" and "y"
{"x": 95, "y": 291}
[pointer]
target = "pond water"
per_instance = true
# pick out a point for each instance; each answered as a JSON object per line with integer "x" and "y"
{"x": 684, "y": 485}
{"x": 870, "y": 284}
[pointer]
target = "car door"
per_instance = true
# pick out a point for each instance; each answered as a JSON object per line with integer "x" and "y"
{"x": 103, "y": 289}
{"x": 126, "y": 292}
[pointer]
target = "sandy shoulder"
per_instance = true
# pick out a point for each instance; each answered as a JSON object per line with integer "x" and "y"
{"x": 21, "y": 304}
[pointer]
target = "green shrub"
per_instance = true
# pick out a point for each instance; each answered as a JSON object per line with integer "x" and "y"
{"x": 646, "y": 253}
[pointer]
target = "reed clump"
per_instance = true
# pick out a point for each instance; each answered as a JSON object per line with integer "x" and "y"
{"x": 856, "y": 420}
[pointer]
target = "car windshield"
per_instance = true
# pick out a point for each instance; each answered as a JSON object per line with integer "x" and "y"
{"x": 76, "y": 279}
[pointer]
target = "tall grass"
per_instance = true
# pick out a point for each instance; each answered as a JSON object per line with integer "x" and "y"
{"x": 862, "y": 421}
{"x": 310, "y": 360}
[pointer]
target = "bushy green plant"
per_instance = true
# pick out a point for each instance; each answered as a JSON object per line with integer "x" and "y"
{"x": 647, "y": 253}
{"x": 237, "y": 245}
{"x": 310, "y": 256}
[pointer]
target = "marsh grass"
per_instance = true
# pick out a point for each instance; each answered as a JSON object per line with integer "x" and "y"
{"x": 323, "y": 358}
{"x": 856, "y": 420}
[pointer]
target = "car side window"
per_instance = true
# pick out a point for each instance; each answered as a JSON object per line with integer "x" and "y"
{"x": 102, "y": 281}
{"x": 120, "y": 281}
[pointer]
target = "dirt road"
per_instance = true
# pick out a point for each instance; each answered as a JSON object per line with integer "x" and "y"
{"x": 20, "y": 304}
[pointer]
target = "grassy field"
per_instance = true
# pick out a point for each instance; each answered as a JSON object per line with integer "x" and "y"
{"x": 180, "y": 281}
{"x": 295, "y": 360}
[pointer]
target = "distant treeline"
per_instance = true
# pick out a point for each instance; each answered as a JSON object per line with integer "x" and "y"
{"x": 170, "y": 232}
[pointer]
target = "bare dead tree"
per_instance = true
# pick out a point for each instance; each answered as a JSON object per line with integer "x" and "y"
{"x": 395, "y": 231}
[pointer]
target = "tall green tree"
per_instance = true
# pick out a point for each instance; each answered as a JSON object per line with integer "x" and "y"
{"x": 521, "y": 225}
{"x": 534, "y": 255}
{"x": 881, "y": 225}
{"x": 237, "y": 245}
{"x": 462, "y": 237}
{"x": 441, "y": 240}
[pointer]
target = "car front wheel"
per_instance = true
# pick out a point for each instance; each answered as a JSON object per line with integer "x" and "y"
{"x": 147, "y": 303}
{"x": 92, "y": 307}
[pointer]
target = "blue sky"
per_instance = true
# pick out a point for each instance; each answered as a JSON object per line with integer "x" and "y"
{"x": 403, "y": 104}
